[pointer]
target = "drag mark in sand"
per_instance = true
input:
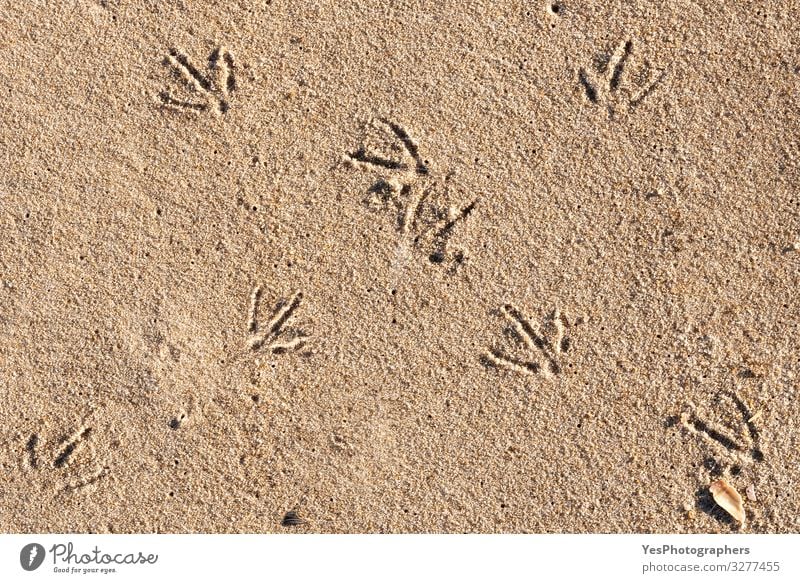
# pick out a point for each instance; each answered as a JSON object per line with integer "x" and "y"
{"x": 215, "y": 88}
{"x": 610, "y": 84}
{"x": 275, "y": 335}
{"x": 547, "y": 344}
{"x": 408, "y": 193}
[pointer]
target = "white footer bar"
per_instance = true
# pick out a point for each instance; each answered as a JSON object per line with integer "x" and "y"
{"x": 377, "y": 558}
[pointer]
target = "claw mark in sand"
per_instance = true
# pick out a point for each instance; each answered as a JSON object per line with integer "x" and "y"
{"x": 215, "y": 88}
{"x": 410, "y": 194}
{"x": 549, "y": 344}
{"x": 611, "y": 85}
{"x": 274, "y": 334}
{"x": 734, "y": 446}
{"x": 70, "y": 445}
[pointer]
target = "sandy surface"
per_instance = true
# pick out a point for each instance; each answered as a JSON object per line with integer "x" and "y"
{"x": 398, "y": 266}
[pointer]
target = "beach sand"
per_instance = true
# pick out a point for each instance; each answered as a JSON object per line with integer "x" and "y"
{"x": 399, "y": 266}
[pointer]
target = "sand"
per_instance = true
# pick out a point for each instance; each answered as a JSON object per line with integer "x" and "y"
{"x": 398, "y": 266}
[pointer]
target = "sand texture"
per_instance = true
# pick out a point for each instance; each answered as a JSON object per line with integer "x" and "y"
{"x": 407, "y": 266}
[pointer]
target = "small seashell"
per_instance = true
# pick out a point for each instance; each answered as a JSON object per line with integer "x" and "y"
{"x": 729, "y": 499}
{"x": 751, "y": 492}
{"x": 292, "y": 519}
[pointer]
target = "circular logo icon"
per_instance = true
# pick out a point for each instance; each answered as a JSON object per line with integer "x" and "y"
{"x": 31, "y": 556}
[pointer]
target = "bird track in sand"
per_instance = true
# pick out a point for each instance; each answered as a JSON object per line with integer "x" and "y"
{"x": 406, "y": 189}
{"x": 275, "y": 335}
{"x": 612, "y": 84}
{"x": 215, "y": 88}
{"x": 549, "y": 344}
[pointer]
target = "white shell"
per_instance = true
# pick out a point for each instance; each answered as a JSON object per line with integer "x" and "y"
{"x": 729, "y": 499}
